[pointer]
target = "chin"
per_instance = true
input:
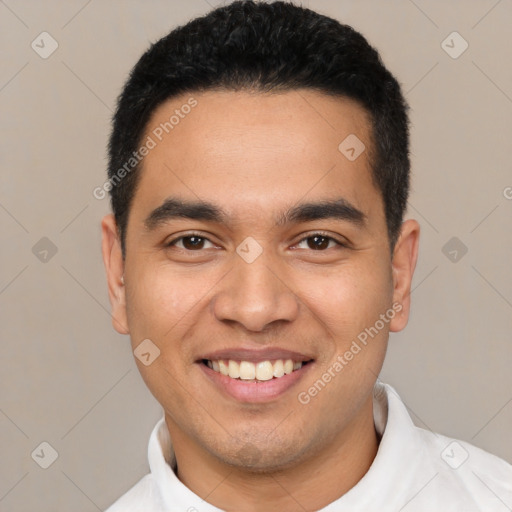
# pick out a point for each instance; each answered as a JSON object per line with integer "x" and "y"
{"x": 262, "y": 457}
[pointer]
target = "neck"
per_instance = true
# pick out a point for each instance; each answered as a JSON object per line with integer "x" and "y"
{"x": 311, "y": 484}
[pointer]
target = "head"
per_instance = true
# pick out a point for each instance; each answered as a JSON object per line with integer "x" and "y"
{"x": 265, "y": 151}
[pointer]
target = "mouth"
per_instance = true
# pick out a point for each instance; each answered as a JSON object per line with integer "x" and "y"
{"x": 249, "y": 371}
{"x": 255, "y": 376}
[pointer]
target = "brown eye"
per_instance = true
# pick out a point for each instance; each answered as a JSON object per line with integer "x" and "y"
{"x": 193, "y": 242}
{"x": 318, "y": 242}
{"x": 189, "y": 243}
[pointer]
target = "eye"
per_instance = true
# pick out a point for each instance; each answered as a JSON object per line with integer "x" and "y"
{"x": 191, "y": 242}
{"x": 319, "y": 242}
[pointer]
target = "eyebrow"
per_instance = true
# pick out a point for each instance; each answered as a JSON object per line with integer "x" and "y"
{"x": 172, "y": 208}
{"x": 339, "y": 209}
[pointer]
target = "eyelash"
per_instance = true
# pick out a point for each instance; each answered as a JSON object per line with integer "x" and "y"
{"x": 312, "y": 235}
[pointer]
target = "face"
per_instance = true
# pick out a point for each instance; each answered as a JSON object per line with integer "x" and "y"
{"x": 253, "y": 241}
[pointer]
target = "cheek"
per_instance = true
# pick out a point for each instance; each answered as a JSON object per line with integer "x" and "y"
{"x": 160, "y": 307}
{"x": 161, "y": 300}
{"x": 349, "y": 298}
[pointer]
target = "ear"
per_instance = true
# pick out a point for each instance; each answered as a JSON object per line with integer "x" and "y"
{"x": 405, "y": 255}
{"x": 114, "y": 266}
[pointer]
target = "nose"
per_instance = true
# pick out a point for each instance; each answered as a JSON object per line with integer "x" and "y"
{"x": 255, "y": 295}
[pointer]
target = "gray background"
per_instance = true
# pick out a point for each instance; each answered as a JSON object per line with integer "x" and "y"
{"x": 70, "y": 380}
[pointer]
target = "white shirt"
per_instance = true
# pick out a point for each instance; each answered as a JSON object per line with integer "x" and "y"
{"x": 414, "y": 470}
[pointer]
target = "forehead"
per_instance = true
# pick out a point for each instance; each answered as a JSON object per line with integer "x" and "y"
{"x": 252, "y": 151}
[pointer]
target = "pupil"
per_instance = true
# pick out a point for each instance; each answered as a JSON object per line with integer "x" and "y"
{"x": 193, "y": 242}
{"x": 319, "y": 242}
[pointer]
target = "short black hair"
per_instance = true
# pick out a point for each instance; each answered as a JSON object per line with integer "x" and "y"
{"x": 264, "y": 47}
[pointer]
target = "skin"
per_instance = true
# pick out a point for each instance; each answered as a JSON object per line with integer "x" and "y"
{"x": 255, "y": 155}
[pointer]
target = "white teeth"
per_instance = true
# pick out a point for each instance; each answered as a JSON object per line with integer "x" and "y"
{"x": 247, "y": 370}
{"x": 224, "y": 368}
{"x": 288, "y": 366}
{"x": 262, "y": 371}
{"x": 278, "y": 368}
{"x": 234, "y": 369}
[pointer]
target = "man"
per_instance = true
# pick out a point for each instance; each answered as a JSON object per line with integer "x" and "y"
{"x": 258, "y": 259}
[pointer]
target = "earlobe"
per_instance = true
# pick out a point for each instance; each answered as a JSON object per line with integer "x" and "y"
{"x": 405, "y": 256}
{"x": 114, "y": 267}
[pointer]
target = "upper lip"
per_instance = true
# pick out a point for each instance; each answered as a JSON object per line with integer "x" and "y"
{"x": 254, "y": 355}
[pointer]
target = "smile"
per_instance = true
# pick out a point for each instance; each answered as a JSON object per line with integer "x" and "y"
{"x": 254, "y": 371}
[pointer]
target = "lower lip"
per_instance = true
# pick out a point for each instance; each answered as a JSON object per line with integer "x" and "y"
{"x": 255, "y": 392}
